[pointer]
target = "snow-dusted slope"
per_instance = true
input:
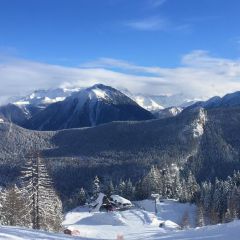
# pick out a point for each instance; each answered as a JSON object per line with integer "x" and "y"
{"x": 18, "y": 233}
{"x": 196, "y": 128}
{"x": 158, "y": 102}
{"x": 147, "y": 102}
{"x": 171, "y": 210}
{"x": 229, "y": 231}
{"x": 133, "y": 224}
{"x": 167, "y": 112}
{"x": 140, "y": 224}
{"x": 136, "y": 223}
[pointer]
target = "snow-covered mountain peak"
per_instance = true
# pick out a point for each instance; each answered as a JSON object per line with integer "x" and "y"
{"x": 148, "y": 103}
{"x": 100, "y": 92}
{"x": 45, "y": 97}
{"x": 168, "y": 112}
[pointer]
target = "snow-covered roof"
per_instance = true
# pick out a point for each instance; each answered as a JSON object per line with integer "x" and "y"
{"x": 120, "y": 199}
{"x": 1, "y": 120}
{"x": 97, "y": 203}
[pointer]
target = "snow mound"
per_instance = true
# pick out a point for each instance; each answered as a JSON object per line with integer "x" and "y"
{"x": 229, "y": 231}
{"x": 108, "y": 218}
{"x": 171, "y": 210}
{"x": 134, "y": 223}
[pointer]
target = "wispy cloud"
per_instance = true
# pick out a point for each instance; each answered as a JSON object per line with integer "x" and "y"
{"x": 156, "y": 3}
{"x": 198, "y": 75}
{"x": 156, "y": 23}
{"x": 148, "y": 24}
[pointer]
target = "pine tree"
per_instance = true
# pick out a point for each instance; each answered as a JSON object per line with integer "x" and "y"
{"x": 184, "y": 193}
{"x": 129, "y": 190}
{"x": 167, "y": 183}
{"x": 193, "y": 187}
{"x": 45, "y": 205}
{"x": 152, "y": 182}
{"x": 14, "y": 209}
{"x": 96, "y": 189}
{"x": 177, "y": 187}
{"x": 82, "y": 197}
{"x": 122, "y": 188}
{"x": 110, "y": 188}
{"x": 200, "y": 216}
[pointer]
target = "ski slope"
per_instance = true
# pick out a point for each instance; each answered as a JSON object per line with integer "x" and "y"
{"x": 229, "y": 231}
{"x": 139, "y": 223}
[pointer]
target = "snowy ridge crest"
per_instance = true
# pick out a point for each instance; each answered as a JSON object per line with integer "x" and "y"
{"x": 196, "y": 128}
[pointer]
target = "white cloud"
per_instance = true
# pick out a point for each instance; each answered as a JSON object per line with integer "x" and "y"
{"x": 148, "y": 24}
{"x": 198, "y": 75}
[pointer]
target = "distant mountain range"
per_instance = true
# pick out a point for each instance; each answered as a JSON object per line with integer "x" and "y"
{"x": 149, "y": 102}
{"x": 59, "y": 108}
{"x": 88, "y": 107}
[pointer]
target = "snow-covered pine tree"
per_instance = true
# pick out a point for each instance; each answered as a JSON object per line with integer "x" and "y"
{"x": 96, "y": 189}
{"x": 177, "y": 187}
{"x": 168, "y": 181}
{"x": 192, "y": 186}
{"x": 129, "y": 190}
{"x": 217, "y": 201}
{"x": 183, "y": 195}
{"x": 236, "y": 178}
{"x": 45, "y": 206}
{"x": 152, "y": 182}
{"x": 14, "y": 211}
{"x": 122, "y": 188}
{"x": 110, "y": 188}
{"x": 82, "y": 197}
{"x": 234, "y": 202}
{"x": 206, "y": 196}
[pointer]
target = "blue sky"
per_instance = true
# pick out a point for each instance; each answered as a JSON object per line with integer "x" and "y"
{"x": 107, "y": 34}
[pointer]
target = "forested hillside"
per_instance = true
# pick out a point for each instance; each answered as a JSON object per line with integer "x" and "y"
{"x": 204, "y": 141}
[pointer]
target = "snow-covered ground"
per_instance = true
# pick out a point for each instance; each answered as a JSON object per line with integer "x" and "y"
{"x": 170, "y": 210}
{"x": 139, "y": 223}
{"x": 17, "y": 233}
